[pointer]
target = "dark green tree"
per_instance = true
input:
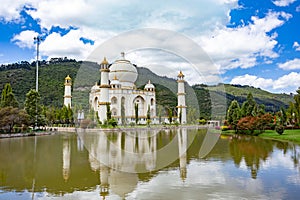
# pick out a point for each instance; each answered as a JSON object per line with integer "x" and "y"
{"x": 233, "y": 114}
{"x": 123, "y": 120}
{"x": 297, "y": 106}
{"x": 249, "y": 107}
{"x": 136, "y": 111}
{"x": 8, "y": 97}
{"x": 108, "y": 112}
{"x": 170, "y": 115}
{"x": 34, "y": 108}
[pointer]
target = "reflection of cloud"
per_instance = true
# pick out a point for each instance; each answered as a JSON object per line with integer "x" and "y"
{"x": 206, "y": 180}
{"x": 279, "y": 160}
{"x": 294, "y": 179}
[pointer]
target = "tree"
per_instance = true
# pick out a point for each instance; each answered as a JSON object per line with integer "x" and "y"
{"x": 8, "y": 97}
{"x": 249, "y": 107}
{"x": 123, "y": 120}
{"x": 246, "y": 125}
{"x": 136, "y": 111}
{"x": 108, "y": 112}
{"x": 11, "y": 117}
{"x": 148, "y": 116}
{"x": 34, "y": 108}
{"x": 191, "y": 115}
{"x": 297, "y": 106}
{"x": 234, "y": 114}
{"x": 170, "y": 115}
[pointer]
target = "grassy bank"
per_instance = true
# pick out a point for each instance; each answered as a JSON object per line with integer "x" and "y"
{"x": 288, "y": 135}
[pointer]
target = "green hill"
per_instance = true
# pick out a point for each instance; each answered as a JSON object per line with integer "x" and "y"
{"x": 205, "y": 100}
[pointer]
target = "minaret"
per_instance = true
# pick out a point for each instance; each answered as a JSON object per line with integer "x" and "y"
{"x": 67, "y": 96}
{"x": 181, "y": 99}
{"x": 104, "y": 85}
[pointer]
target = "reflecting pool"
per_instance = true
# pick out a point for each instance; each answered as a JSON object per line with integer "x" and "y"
{"x": 148, "y": 164}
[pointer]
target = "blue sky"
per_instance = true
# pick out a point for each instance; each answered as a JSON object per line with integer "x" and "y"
{"x": 250, "y": 42}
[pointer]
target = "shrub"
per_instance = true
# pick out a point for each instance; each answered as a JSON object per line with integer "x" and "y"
{"x": 279, "y": 129}
{"x": 225, "y": 128}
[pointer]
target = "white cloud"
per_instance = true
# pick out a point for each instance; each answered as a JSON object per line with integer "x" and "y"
{"x": 283, "y": 3}
{"x": 290, "y": 80}
{"x": 70, "y": 45}
{"x": 288, "y": 83}
{"x": 239, "y": 47}
{"x": 10, "y": 10}
{"x": 252, "y": 81}
{"x": 290, "y": 65}
{"x": 25, "y": 39}
{"x": 298, "y": 8}
{"x": 296, "y": 46}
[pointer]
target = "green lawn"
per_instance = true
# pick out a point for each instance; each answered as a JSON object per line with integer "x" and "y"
{"x": 289, "y": 135}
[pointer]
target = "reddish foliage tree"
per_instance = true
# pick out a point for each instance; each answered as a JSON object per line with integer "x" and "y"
{"x": 247, "y": 125}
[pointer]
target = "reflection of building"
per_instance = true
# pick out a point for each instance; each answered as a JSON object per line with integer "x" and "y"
{"x": 182, "y": 147}
{"x": 120, "y": 156}
{"x": 66, "y": 158}
{"x": 117, "y": 88}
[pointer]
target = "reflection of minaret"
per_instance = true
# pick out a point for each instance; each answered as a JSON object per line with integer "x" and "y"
{"x": 103, "y": 158}
{"x": 104, "y": 186}
{"x": 182, "y": 146}
{"x": 181, "y": 99}
{"x": 104, "y": 97}
{"x": 66, "y": 159}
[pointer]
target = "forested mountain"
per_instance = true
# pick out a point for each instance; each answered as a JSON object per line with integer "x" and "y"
{"x": 201, "y": 98}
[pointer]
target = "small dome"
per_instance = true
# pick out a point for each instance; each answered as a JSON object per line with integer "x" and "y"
{"x": 125, "y": 72}
{"x": 149, "y": 85}
{"x": 115, "y": 81}
{"x": 95, "y": 87}
{"x": 68, "y": 78}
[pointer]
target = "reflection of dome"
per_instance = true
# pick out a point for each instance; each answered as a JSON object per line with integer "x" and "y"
{"x": 149, "y": 86}
{"x": 124, "y": 71}
{"x": 122, "y": 183}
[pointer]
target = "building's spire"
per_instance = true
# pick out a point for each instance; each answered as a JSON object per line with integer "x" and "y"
{"x": 123, "y": 55}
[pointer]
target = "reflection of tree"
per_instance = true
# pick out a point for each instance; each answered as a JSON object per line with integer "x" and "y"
{"x": 252, "y": 149}
{"x": 295, "y": 155}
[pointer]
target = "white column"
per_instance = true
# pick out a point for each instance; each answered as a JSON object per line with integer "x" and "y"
{"x": 181, "y": 106}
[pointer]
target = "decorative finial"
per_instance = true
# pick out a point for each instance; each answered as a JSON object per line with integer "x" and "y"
{"x": 149, "y": 82}
{"x": 104, "y": 61}
{"x": 115, "y": 77}
{"x": 123, "y": 55}
{"x": 180, "y": 75}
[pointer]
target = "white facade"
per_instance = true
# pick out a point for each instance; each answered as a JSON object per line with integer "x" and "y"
{"x": 118, "y": 89}
{"x": 67, "y": 95}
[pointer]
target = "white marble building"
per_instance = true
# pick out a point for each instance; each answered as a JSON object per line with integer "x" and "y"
{"x": 118, "y": 89}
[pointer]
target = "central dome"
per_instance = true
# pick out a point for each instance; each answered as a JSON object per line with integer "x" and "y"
{"x": 124, "y": 71}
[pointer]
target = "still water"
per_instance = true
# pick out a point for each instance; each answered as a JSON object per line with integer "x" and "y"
{"x": 156, "y": 164}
